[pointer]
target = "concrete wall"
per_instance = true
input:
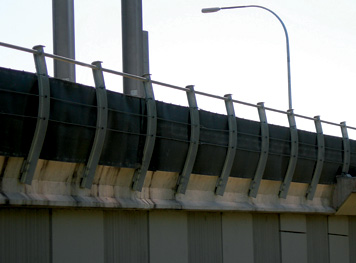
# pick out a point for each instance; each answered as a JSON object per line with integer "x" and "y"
{"x": 97, "y": 235}
{"x": 77, "y": 236}
{"x": 25, "y": 235}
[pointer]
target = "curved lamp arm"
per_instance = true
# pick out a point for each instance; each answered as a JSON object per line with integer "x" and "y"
{"x": 216, "y": 9}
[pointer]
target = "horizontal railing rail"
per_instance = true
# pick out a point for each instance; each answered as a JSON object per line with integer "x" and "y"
{"x": 131, "y": 76}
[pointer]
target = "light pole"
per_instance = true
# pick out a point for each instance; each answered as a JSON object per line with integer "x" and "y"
{"x": 216, "y": 9}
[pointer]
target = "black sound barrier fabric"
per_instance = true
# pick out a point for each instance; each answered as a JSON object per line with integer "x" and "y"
{"x": 71, "y": 130}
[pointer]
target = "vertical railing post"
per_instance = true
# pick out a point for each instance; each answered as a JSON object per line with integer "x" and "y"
{"x": 231, "y": 151}
{"x": 29, "y": 165}
{"x": 283, "y": 191}
{"x": 140, "y": 173}
{"x": 184, "y": 176}
{"x": 255, "y": 183}
{"x": 346, "y": 145}
{"x": 101, "y": 127}
{"x": 320, "y": 161}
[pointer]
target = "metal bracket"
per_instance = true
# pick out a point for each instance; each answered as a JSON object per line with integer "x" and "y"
{"x": 320, "y": 162}
{"x": 230, "y": 156}
{"x": 140, "y": 173}
{"x": 101, "y": 126}
{"x": 283, "y": 191}
{"x": 255, "y": 183}
{"x": 194, "y": 141}
{"x": 29, "y": 165}
{"x": 346, "y": 144}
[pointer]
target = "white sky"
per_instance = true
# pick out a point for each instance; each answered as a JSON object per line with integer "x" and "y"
{"x": 240, "y": 51}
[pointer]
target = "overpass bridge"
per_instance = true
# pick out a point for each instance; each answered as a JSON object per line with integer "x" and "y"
{"x": 90, "y": 175}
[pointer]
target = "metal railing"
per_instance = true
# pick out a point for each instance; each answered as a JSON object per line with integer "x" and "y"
{"x": 131, "y": 76}
{"x": 101, "y": 128}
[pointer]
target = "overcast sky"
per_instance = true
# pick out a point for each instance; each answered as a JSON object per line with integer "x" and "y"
{"x": 241, "y": 51}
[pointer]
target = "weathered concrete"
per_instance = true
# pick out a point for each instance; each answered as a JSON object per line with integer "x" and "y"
{"x": 344, "y": 198}
{"x": 57, "y": 184}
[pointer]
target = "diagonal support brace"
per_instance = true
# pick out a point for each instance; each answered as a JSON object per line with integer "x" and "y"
{"x": 230, "y": 156}
{"x": 194, "y": 141}
{"x": 255, "y": 183}
{"x": 140, "y": 173}
{"x": 320, "y": 162}
{"x": 29, "y": 165}
{"x": 101, "y": 127}
{"x": 283, "y": 191}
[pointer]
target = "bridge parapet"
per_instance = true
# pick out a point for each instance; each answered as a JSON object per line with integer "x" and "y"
{"x": 104, "y": 149}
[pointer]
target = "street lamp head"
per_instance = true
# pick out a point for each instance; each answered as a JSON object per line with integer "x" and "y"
{"x": 216, "y": 9}
{"x": 210, "y": 10}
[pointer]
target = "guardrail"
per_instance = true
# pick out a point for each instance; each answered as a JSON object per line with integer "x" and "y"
{"x": 29, "y": 166}
{"x": 131, "y": 76}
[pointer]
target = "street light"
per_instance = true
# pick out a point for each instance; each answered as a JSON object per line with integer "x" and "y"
{"x": 216, "y": 9}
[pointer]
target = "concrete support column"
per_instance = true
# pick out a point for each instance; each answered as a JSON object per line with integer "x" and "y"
{"x": 63, "y": 38}
{"x": 132, "y": 45}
